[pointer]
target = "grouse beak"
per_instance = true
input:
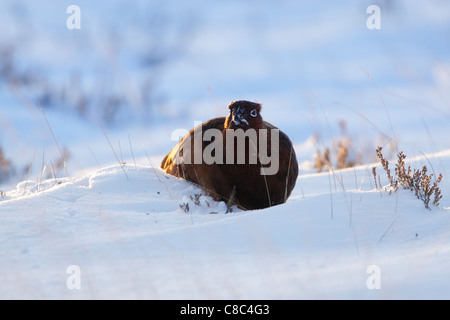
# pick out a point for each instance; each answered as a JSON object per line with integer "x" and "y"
{"x": 238, "y": 120}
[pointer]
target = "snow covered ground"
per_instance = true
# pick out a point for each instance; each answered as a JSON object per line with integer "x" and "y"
{"x": 130, "y": 239}
{"x": 165, "y": 65}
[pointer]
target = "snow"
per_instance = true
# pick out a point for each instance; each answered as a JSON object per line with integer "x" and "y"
{"x": 130, "y": 239}
{"x": 127, "y": 227}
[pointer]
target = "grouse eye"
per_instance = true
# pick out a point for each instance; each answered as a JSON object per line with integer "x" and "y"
{"x": 254, "y": 113}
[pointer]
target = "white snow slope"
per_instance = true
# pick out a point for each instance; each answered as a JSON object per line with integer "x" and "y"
{"x": 125, "y": 231}
{"x": 120, "y": 232}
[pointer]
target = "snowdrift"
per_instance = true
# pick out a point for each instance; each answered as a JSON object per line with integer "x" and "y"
{"x": 129, "y": 234}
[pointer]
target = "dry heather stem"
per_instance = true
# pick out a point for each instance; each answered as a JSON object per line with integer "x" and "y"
{"x": 419, "y": 181}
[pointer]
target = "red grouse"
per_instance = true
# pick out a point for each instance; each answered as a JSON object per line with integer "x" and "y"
{"x": 240, "y": 159}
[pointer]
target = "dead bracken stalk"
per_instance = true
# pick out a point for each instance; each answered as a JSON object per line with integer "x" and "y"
{"x": 417, "y": 181}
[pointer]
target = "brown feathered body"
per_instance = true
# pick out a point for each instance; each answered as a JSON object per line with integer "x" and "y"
{"x": 235, "y": 183}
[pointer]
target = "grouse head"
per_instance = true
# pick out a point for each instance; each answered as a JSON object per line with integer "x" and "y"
{"x": 244, "y": 115}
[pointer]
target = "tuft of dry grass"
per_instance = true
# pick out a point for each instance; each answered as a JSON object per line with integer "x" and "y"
{"x": 417, "y": 180}
{"x": 196, "y": 198}
{"x": 6, "y": 168}
{"x": 342, "y": 152}
{"x": 63, "y": 157}
{"x": 60, "y": 162}
{"x": 322, "y": 160}
{"x": 185, "y": 207}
